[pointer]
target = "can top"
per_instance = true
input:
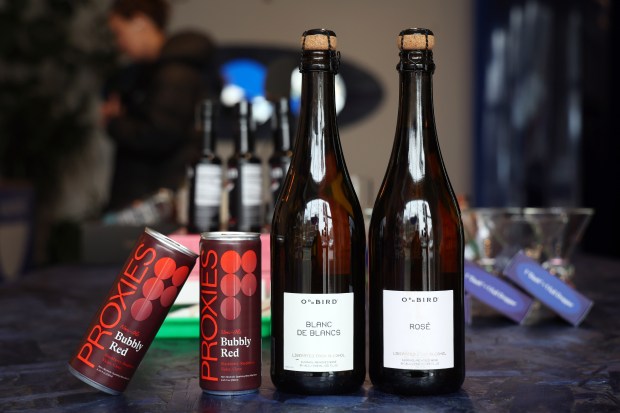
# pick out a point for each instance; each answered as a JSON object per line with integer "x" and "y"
{"x": 170, "y": 243}
{"x": 415, "y": 39}
{"x": 230, "y": 236}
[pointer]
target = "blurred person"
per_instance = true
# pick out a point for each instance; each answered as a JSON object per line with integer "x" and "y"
{"x": 149, "y": 110}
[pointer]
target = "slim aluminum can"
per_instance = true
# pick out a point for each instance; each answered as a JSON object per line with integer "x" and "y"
{"x": 132, "y": 313}
{"x": 230, "y": 312}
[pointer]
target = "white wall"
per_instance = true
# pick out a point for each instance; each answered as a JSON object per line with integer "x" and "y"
{"x": 366, "y": 31}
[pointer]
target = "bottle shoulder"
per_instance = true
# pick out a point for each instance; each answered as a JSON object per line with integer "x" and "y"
{"x": 279, "y": 158}
{"x": 303, "y": 199}
{"x": 404, "y": 200}
{"x": 242, "y": 159}
{"x": 209, "y": 160}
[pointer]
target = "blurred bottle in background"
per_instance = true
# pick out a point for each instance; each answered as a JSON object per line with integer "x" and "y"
{"x": 244, "y": 176}
{"x": 205, "y": 176}
{"x": 280, "y": 160}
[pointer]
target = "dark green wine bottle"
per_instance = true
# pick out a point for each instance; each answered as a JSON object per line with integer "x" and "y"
{"x": 416, "y": 322}
{"x": 318, "y": 246}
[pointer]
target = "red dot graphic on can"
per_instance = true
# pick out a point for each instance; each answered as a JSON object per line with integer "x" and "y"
{"x": 248, "y": 261}
{"x": 249, "y": 284}
{"x": 230, "y": 262}
{"x": 180, "y": 275}
{"x": 230, "y": 308}
{"x": 168, "y": 296}
{"x": 230, "y": 285}
{"x": 152, "y": 288}
{"x": 141, "y": 309}
{"x": 165, "y": 267}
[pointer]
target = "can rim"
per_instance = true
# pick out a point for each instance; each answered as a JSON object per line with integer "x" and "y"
{"x": 230, "y": 236}
{"x": 170, "y": 242}
{"x": 92, "y": 382}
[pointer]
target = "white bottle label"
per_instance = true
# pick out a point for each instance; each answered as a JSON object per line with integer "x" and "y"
{"x": 208, "y": 185}
{"x": 318, "y": 332}
{"x": 418, "y": 330}
{"x": 252, "y": 188}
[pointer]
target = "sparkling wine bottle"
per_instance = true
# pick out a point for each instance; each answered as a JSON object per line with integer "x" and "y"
{"x": 416, "y": 323}
{"x": 318, "y": 246}
{"x": 205, "y": 177}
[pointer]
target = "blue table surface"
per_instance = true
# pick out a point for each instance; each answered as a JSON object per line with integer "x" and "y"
{"x": 549, "y": 366}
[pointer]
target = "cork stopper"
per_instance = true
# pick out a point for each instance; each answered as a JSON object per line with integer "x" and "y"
{"x": 319, "y": 39}
{"x": 416, "y": 39}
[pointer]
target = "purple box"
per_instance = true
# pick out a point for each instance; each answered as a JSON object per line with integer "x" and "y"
{"x": 496, "y": 293}
{"x": 467, "y": 308}
{"x": 550, "y": 290}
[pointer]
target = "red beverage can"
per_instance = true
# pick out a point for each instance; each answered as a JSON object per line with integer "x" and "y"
{"x": 230, "y": 312}
{"x": 132, "y": 313}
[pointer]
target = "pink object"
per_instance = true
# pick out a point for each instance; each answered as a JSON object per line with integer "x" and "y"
{"x": 266, "y": 274}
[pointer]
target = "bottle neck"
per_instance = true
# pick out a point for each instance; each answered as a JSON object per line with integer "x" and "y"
{"x": 281, "y": 130}
{"x": 208, "y": 137}
{"x": 244, "y": 136}
{"x": 416, "y": 132}
{"x": 317, "y": 146}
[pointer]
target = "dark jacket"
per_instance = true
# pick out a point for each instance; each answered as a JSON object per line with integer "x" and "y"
{"x": 155, "y": 137}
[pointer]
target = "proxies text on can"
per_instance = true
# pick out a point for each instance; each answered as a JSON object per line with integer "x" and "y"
{"x": 230, "y": 308}
{"x": 130, "y": 316}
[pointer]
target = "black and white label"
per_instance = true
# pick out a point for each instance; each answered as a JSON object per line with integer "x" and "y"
{"x": 208, "y": 185}
{"x": 418, "y": 329}
{"x": 252, "y": 184}
{"x": 318, "y": 332}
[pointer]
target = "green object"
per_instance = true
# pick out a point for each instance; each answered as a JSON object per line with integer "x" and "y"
{"x": 188, "y": 327}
